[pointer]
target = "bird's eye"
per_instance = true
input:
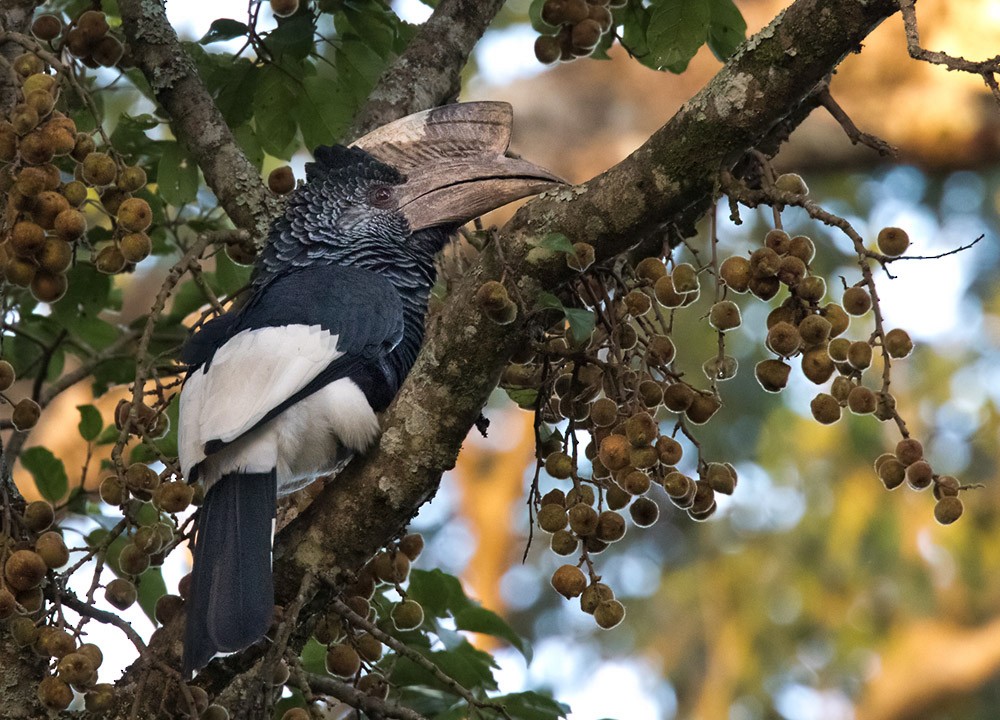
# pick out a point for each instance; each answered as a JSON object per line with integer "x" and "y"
{"x": 380, "y": 197}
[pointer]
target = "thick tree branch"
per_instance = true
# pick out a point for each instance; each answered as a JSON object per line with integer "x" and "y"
{"x": 428, "y": 73}
{"x": 465, "y": 352}
{"x": 15, "y": 16}
{"x": 195, "y": 118}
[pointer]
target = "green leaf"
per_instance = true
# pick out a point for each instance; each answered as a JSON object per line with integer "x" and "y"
{"x": 275, "y": 107}
{"x": 151, "y": 588}
{"x": 90, "y": 422}
{"x": 88, "y": 292}
{"x": 293, "y": 38}
{"x": 727, "y": 29}
{"x": 234, "y": 85}
{"x": 440, "y": 594}
{"x": 581, "y": 323}
{"x": 324, "y": 111}
{"x": 548, "y": 301}
{"x": 177, "y": 175}
{"x": 248, "y": 142}
{"x": 95, "y": 332}
{"x": 229, "y": 276}
{"x": 470, "y": 667}
{"x": 556, "y": 242}
{"x": 48, "y": 471}
{"x": 224, "y": 29}
{"x": 677, "y": 28}
{"x": 535, "y": 18}
{"x": 532, "y": 706}
{"x": 374, "y": 25}
{"x": 524, "y": 398}
{"x": 314, "y": 656}
{"x": 481, "y": 620}
{"x": 635, "y": 24}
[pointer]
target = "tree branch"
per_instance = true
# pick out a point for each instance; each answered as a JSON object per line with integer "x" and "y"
{"x": 15, "y": 16}
{"x": 195, "y": 118}
{"x": 428, "y": 73}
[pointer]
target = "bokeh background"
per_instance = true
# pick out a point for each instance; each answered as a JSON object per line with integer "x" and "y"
{"x": 813, "y": 594}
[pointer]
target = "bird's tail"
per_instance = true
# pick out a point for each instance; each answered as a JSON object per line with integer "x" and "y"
{"x": 232, "y": 594}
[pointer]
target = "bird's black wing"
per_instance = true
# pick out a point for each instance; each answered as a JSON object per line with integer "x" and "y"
{"x": 296, "y": 334}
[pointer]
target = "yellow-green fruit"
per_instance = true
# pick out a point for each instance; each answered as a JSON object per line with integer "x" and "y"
{"x": 898, "y": 343}
{"x": 685, "y": 278}
{"x": 75, "y": 193}
{"x": 7, "y": 378}
{"x": 563, "y": 542}
{"x": 411, "y": 545}
{"x": 890, "y": 471}
{"x": 616, "y": 497}
{"x": 407, "y": 615}
{"x": 772, "y": 375}
{"x": 791, "y": 183}
{"x": 297, "y": 713}
{"x": 20, "y": 271}
{"x": 369, "y": 647}
{"x": 651, "y": 393}
{"x": 641, "y": 429}
{"x": 110, "y": 260}
{"x": 60, "y": 137}
{"x": 582, "y": 519}
{"x": 610, "y": 527}
{"x": 778, "y": 240}
{"x": 112, "y": 490}
{"x": 52, "y": 549}
{"x": 838, "y": 348}
{"x": 720, "y": 477}
{"x": 609, "y": 614}
{"x": 668, "y": 450}
{"x": 70, "y": 224}
{"x": 635, "y": 482}
{"x": 99, "y": 698}
{"x": 735, "y": 272}
{"x": 26, "y": 414}
{"x": 108, "y": 51}
{"x": 725, "y": 315}
{"x": 861, "y": 401}
{"x": 48, "y": 287}
{"x": 594, "y": 595}
{"x": 140, "y": 477}
{"x": 167, "y": 608}
{"x": 814, "y": 329}
{"x": 892, "y": 241}
{"x": 27, "y": 238}
{"x": 54, "y": 693}
{"x": 803, "y": 248}
{"x": 841, "y": 388}
{"x": 173, "y": 496}
{"x": 919, "y": 475}
{"x": 22, "y": 630}
{"x": 281, "y": 180}
{"x": 569, "y": 581}
{"x": 637, "y": 303}
{"x": 24, "y": 118}
{"x": 660, "y": 350}
{"x": 135, "y": 247}
{"x": 582, "y": 257}
{"x": 644, "y": 512}
{"x": 100, "y": 169}
{"x": 38, "y": 515}
{"x": 946, "y": 486}
{"x": 702, "y": 408}
{"x": 8, "y": 604}
{"x": 666, "y": 294}
{"x": 342, "y": 660}
{"x": 121, "y": 593}
{"x": 131, "y": 178}
{"x": 39, "y": 81}
{"x": 817, "y": 365}
{"x": 547, "y": 49}
{"x": 55, "y": 256}
{"x": 75, "y": 668}
{"x": 651, "y": 269}
{"x": 586, "y": 34}
{"x": 764, "y": 263}
{"x": 135, "y": 215}
{"x": 909, "y": 451}
{"x": 47, "y": 207}
{"x": 811, "y": 288}
{"x": 559, "y": 465}
{"x": 614, "y": 452}
{"x": 791, "y": 271}
{"x": 838, "y": 318}
{"x": 678, "y": 396}
{"x": 28, "y": 64}
{"x": 825, "y": 409}
{"x": 84, "y": 147}
{"x": 765, "y": 288}
{"x": 856, "y": 301}
{"x": 31, "y": 600}
{"x": 604, "y": 412}
{"x": 133, "y": 561}
{"x": 46, "y": 27}
{"x": 24, "y": 570}
{"x": 552, "y": 517}
{"x": 947, "y": 510}
{"x": 492, "y": 296}
{"x": 859, "y": 355}
{"x": 784, "y": 339}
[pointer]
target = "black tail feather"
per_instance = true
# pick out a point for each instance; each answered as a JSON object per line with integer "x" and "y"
{"x": 232, "y": 594}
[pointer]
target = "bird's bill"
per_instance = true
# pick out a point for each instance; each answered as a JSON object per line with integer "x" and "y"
{"x": 452, "y": 193}
{"x": 454, "y": 158}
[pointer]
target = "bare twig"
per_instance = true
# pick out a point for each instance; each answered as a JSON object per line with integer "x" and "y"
{"x": 74, "y": 603}
{"x": 856, "y": 136}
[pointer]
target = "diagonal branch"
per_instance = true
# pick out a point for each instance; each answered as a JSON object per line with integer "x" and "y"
{"x": 194, "y": 116}
{"x": 428, "y": 73}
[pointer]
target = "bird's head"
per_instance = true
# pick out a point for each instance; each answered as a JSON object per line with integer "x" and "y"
{"x": 397, "y": 191}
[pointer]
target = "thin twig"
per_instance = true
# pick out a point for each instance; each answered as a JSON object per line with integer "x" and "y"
{"x": 364, "y": 702}
{"x": 855, "y": 135}
{"x": 74, "y": 603}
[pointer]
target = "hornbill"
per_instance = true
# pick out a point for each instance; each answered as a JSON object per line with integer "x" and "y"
{"x": 286, "y": 387}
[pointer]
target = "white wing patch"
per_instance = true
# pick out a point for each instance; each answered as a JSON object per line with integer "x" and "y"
{"x": 254, "y": 372}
